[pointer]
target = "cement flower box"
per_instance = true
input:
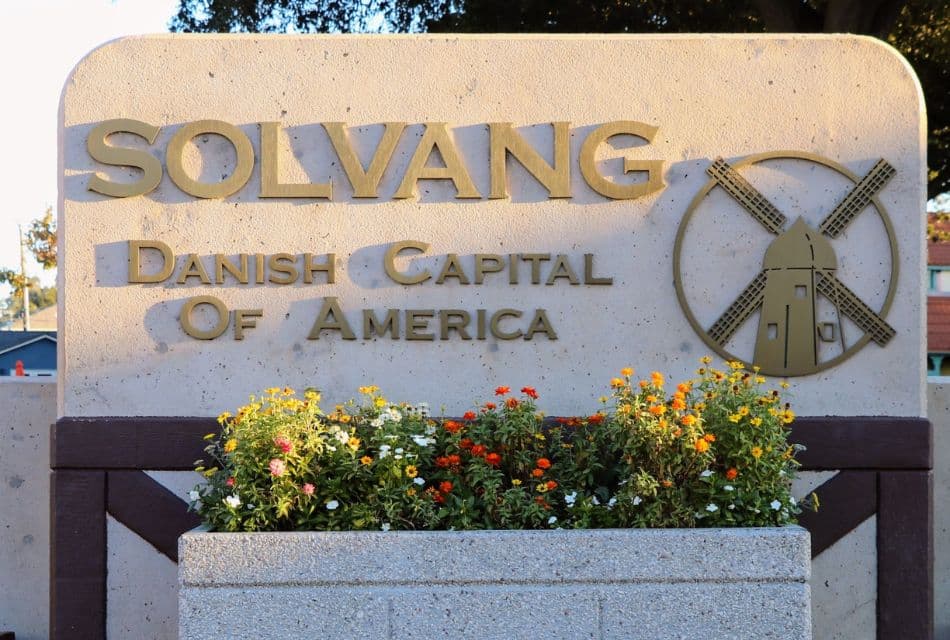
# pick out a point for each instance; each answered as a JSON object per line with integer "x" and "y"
{"x": 630, "y": 583}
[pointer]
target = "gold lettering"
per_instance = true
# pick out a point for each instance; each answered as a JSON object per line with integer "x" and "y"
{"x": 456, "y": 319}
{"x": 487, "y": 263}
{"x": 452, "y": 269}
{"x": 389, "y": 262}
{"x": 540, "y": 324}
{"x": 222, "y": 264}
{"x": 195, "y": 332}
{"x": 562, "y": 269}
{"x": 193, "y": 269}
{"x": 372, "y": 325}
{"x": 271, "y": 186}
{"x": 259, "y": 268}
{"x": 513, "y": 268}
{"x": 330, "y": 318}
{"x": 244, "y": 319}
{"x": 135, "y": 263}
{"x": 496, "y": 324}
{"x": 589, "y": 277}
{"x": 436, "y": 136}
{"x": 605, "y": 187}
{"x": 535, "y": 259}
{"x": 282, "y": 263}
{"x": 505, "y": 140}
{"x": 480, "y": 324}
{"x": 174, "y": 159}
{"x": 310, "y": 267}
{"x": 365, "y": 183}
{"x": 105, "y": 153}
{"x": 418, "y": 320}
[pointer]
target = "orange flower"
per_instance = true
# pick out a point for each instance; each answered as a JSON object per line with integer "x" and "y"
{"x": 442, "y": 462}
{"x": 688, "y": 420}
{"x": 678, "y": 404}
{"x": 478, "y": 450}
{"x": 657, "y": 378}
{"x": 454, "y": 460}
{"x": 465, "y": 443}
{"x": 445, "y": 486}
{"x": 543, "y": 463}
{"x": 489, "y": 406}
{"x": 500, "y": 391}
{"x": 493, "y": 459}
{"x": 617, "y": 383}
{"x": 597, "y": 418}
{"x": 469, "y": 415}
{"x": 530, "y": 392}
{"x": 701, "y": 445}
{"x": 537, "y": 473}
{"x": 731, "y": 473}
{"x": 710, "y": 437}
{"x": 365, "y": 460}
{"x": 683, "y": 387}
{"x": 551, "y": 485}
{"x": 644, "y": 384}
{"x": 511, "y": 403}
{"x": 452, "y": 426}
{"x": 626, "y": 372}
{"x": 658, "y": 409}
{"x": 667, "y": 483}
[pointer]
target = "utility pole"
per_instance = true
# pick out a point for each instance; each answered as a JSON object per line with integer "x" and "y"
{"x": 26, "y": 283}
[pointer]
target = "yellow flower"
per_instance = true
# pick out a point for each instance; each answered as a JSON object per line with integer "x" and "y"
{"x": 626, "y": 371}
{"x": 310, "y": 394}
{"x": 345, "y": 418}
{"x": 743, "y": 411}
{"x": 369, "y": 390}
{"x": 755, "y": 421}
{"x": 736, "y": 417}
{"x": 617, "y": 383}
{"x": 224, "y": 416}
{"x": 624, "y": 408}
{"x": 411, "y": 491}
{"x": 539, "y": 436}
{"x": 784, "y": 385}
{"x": 756, "y": 452}
{"x": 516, "y": 482}
{"x": 288, "y": 391}
{"x": 271, "y": 391}
{"x": 787, "y": 416}
{"x": 541, "y": 488}
{"x": 705, "y": 359}
{"x": 411, "y": 471}
{"x": 230, "y": 445}
{"x": 365, "y": 460}
{"x": 736, "y": 365}
{"x": 380, "y": 402}
{"x": 701, "y": 446}
{"x": 688, "y": 420}
{"x": 603, "y": 399}
{"x": 759, "y": 380}
{"x": 354, "y": 443}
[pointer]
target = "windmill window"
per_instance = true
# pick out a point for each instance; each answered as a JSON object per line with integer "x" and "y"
{"x": 772, "y": 331}
{"x": 801, "y": 291}
{"x": 826, "y": 331}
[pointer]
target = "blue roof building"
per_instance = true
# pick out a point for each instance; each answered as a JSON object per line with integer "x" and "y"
{"x": 36, "y": 349}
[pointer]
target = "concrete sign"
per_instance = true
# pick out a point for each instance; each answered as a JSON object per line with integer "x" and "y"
{"x": 439, "y": 216}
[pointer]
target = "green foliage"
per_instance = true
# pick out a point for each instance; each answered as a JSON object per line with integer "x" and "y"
{"x": 41, "y": 239}
{"x": 920, "y": 29}
{"x": 712, "y": 453}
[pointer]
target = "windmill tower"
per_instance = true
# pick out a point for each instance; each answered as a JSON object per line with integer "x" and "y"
{"x": 798, "y": 266}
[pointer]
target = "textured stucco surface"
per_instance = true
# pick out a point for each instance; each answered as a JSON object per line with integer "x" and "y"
{"x": 849, "y": 99}
{"x": 27, "y": 408}
{"x": 491, "y": 584}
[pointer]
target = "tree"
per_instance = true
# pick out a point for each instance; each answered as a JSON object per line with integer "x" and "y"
{"x": 919, "y": 29}
{"x": 41, "y": 242}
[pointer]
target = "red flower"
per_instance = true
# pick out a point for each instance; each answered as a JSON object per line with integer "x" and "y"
{"x": 731, "y": 473}
{"x": 229, "y": 482}
{"x": 465, "y": 443}
{"x": 530, "y": 392}
{"x": 452, "y": 426}
{"x": 568, "y": 422}
{"x": 478, "y": 450}
{"x": 284, "y": 444}
{"x": 469, "y": 415}
{"x": 537, "y": 473}
{"x": 551, "y": 485}
{"x": 543, "y": 463}
{"x": 489, "y": 406}
{"x": 438, "y": 497}
{"x": 442, "y": 462}
{"x": 511, "y": 403}
{"x": 500, "y": 391}
{"x": 445, "y": 486}
{"x": 597, "y": 418}
{"x": 455, "y": 460}
{"x": 493, "y": 459}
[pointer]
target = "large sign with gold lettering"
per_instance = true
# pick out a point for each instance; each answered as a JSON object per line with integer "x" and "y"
{"x": 439, "y": 216}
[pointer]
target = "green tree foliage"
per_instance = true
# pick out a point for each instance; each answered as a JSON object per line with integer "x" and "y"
{"x": 41, "y": 241}
{"x": 40, "y": 298}
{"x": 920, "y": 29}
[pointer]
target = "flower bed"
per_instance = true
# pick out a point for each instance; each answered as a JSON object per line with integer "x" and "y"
{"x": 609, "y": 583}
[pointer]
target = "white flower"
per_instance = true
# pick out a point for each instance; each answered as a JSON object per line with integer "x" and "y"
{"x": 422, "y": 441}
{"x": 330, "y": 447}
{"x": 729, "y": 487}
{"x": 594, "y": 501}
{"x": 419, "y": 480}
{"x": 705, "y": 474}
{"x": 333, "y": 504}
{"x": 792, "y": 500}
{"x": 776, "y": 505}
{"x": 423, "y": 409}
{"x": 552, "y": 519}
{"x": 386, "y": 526}
{"x": 233, "y": 501}
{"x": 194, "y": 496}
{"x": 732, "y": 506}
{"x": 393, "y": 414}
{"x": 342, "y": 436}
{"x": 611, "y": 503}
{"x": 711, "y": 508}
{"x": 400, "y": 450}
{"x": 570, "y": 498}
{"x": 384, "y": 450}
{"x": 637, "y": 500}
{"x": 377, "y": 422}
{"x": 398, "y": 456}
{"x": 430, "y": 429}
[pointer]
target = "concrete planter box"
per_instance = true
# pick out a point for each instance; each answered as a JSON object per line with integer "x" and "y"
{"x": 636, "y": 583}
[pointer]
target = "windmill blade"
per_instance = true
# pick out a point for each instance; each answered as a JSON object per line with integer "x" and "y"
{"x": 746, "y": 195}
{"x": 859, "y": 198}
{"x": 850, "y": 305}
{"x": 748, "y": 301}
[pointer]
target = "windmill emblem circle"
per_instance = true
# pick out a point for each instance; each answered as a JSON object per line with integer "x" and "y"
{"x": 809, "y": 319}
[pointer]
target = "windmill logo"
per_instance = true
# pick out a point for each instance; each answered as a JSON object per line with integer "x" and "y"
{"x": 798, "y": 271}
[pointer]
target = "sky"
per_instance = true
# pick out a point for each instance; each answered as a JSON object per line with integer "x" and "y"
{"x": 40, "y": 42}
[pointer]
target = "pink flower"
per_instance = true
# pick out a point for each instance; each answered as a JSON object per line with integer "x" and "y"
{"x": 229, "y": 482}
{"x": 277, "y": 467}
{"x": 284, "y": 444}
{"x": 307, "y": 489}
